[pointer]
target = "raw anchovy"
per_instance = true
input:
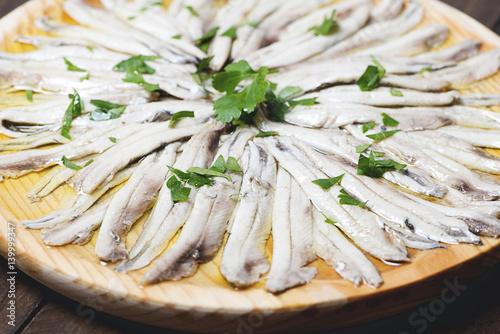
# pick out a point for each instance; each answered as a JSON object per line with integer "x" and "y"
{"x": 293, "y": 237}
{"x": 202, "y": 234}
{"x": 460, "y": 51}
{"x": 347, "y": 260}
{"x": 244, "y": 258}
{"x": 386, "y": 10}
{"x": 168, "y": 217}
{"x": 474, "y": 136}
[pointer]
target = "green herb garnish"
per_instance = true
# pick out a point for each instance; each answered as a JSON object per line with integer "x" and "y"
{"x": 72, "y": 67}
{"x": 362, "y": 148}
{"x": 177, "y": 37}
{"x": 178, "y": 115}
{"x": 66, "y": 162}
{"x": 426, "y": 69}
{"x": 329, "y": 26}
{"x": 178, "y": 192}
{"x": 372, "y": 76}
{"x": 395, "y": 92}
{"x": 346, "y": 199}
{"x": 135, "y": 77}
{"x": 205, "y": 41}
{"x": 106, "y": 110}
{"x": 29, "y": 95}
{"x": 329, "y": 221}
{"x": 382, "y": 135}
{"x": 192, "y": 11}
{"x": 266, "y": 134}
{"x": 368, "y": 126}
{"x": 74, "y": 109}
{"x": 368, "y": 166}
{"x": 137, "y": 64}
{"x": 388, "y": 120}
{"x": 328, "y": 183}
{"x": 231, "y": 33}
{"x": 112, "y": 139}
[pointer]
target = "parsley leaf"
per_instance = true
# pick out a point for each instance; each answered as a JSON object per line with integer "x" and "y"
{"x": 368, "y": 166}
{"x": 72, "y": 67}
{"x": 252, "y": 23}
{"x": 372, "y": 76}
{"x": 233, "y": 74}
{"x": 289, "y": 91}
{"x": 112, "y": 139}
{"x": 66, "y": 162}
{"x": 74, "y": 109}
{"x": 219, "y": 165}
{"x": 347, "y": 199}
{"x": 192, "y": 179}
{"x": 388, "y": 120}
{"x": 328, "y": 183}
{"x": 329, "y": 221}
{"x": 177, "y": 191}
{"x": 362, "y": 148}
{"x": 329, "y": 26}
{"x": 382, "y": 135}
{"x": 426, "y": 69}
{"x": 192, "y": 11}
{"x": 368, "y": 126}
{"x": 135, "y": 77}
{"x": 208, "y": 172}
{"x": 231, "y": 33}
{"x": 136, "y": 64}
{"x": 266, "y": 134}
{"x": 106, "y": 110}
{"x": 178, "y": 115}
{"x": 232, "y": 165}
{"x": 396, "y": 92}
{"x": 303, "y": 102}
{"x": 177, "y": 37}
{"x": 205, "y": 41}
{"x": 29, "y": 95}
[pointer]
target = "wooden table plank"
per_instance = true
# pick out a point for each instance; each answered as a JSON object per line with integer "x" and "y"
{"x": 476, "y": 310}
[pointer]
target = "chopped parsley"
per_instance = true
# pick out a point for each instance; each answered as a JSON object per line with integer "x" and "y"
{"x": 74, "y": 109}
{"x": 368, "y": 126}
{"x": 329, "y": 26}
{"x": 426, "y": 69}
{"x": 178, "y": 192}
{"x": 346, "y": 199}
{"x": 231, "y": 33}
{"x": 388, "y": 120}
{"x": 66, "y": 162}
{"x": 106, "y": 110}
{"x": 208, "y": 172}
{"x": 266, "y": 134}
{"x": 192, "y": 11}
{"x": 136, "y": 77}
{"x": 205, "y": 41}
{"x": 178, "y": 115}
{"x": 371, "y": 167}
{"x": 136, "y": 64}
{"x": 362, "y": 148}
{"x": 112, "y": 139}
{"x": 90, "y": 48}
{"x": 329, "y": 221}
{"x": 382, "y": 135}
{"x": 177, "y": 37}
{"x": 72, "y": 67}
{"x": 289, "y": 92}
{"x": 372, "y": 76}
{"x": 252, "y": 23}
{"x": 396, "y": 92}
{"x": 29, "y": 95}
{"x": 328, "y": 183}
{"x": 198, "y": 75}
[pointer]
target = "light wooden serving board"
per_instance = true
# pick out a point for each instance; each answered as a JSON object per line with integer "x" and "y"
{"x": 205, "y": 302}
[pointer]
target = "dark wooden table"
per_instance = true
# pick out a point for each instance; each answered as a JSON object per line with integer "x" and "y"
{"x": 476, "y": 310}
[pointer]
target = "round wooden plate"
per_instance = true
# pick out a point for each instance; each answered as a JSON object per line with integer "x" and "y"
{"x": 205, "y": 302}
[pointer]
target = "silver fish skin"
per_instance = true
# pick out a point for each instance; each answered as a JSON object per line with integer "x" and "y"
{"x": 125, "y": 151}
{"x": 343, "y": 114}
{"x": 202, "y": 234}
{"x": 32, "y": 141}
{"x": 454, "y": 53}
{"x": 413, "y": 43}
{"x": 341, "y": 144}
{"x": 439, "y": 167}
{"x": 79, "y": 231}
{"x": 130, "y": 203}
{"x": 480, "y": 99}
{"x": 167, "y": 217}
{"x": 474, "y": 136}
{"x": 292, "y": 236}
{"x": 347, "y": 260}
{"x": 382, "y": 97}
{"x": 458, "y": 150}
{"x": 386, "y": 10}
{"x": 376, "y": 33}
{"x": 367, "y": 236}
{"x": 307, "y": 46}
{"x": 244, "y": 258}
{"x": 96, "y": 141}
{"x": 405, "y": 212}
{"x": 75, "y": 206}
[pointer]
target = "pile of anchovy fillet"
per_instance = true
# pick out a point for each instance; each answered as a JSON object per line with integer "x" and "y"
{"x": 321, "y": 124}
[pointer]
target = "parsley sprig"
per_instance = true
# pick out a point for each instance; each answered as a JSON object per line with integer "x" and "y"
{"x": 329, "y": 26}
{"x": 74, "y": 109}
{"x": 372, "y": 76}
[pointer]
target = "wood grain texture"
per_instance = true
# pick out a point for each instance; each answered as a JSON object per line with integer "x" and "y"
{"x": 205, "y": 302}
